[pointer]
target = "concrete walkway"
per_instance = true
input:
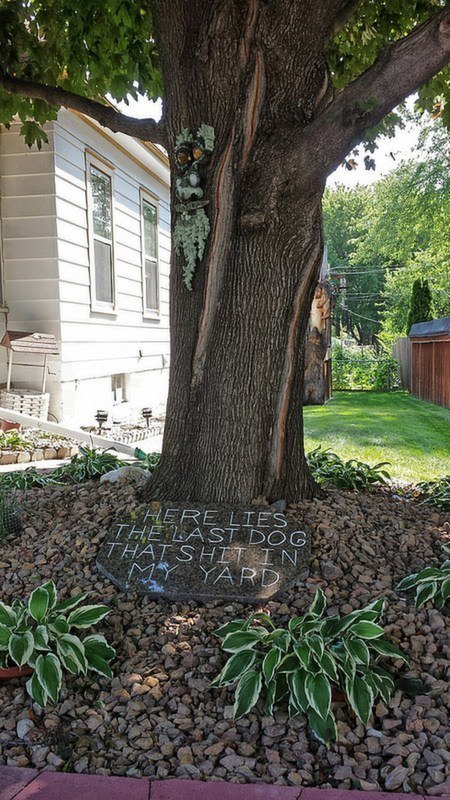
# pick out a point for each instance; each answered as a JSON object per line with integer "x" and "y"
{"x": 28, "y": 784}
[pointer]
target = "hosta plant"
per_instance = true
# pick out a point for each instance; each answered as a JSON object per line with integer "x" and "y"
{"x": 44, "y": 634}
{"x": 300, "y": 665}
{"x": 436, "y": 493}
{"x": 330, "y": 469}
{"x": 88, "y": 464}
{"x": 431, "y": 583}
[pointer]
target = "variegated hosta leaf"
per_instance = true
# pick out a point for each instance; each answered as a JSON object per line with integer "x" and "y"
{"x": 70, "y": 603}
{"x": 315, "y": 643}
{"x": 87, "y": 616}
{"x": 425, "y": 591}
{"x": 324, "y": 729}
{"x": 304, "y": 654}
{"x": 297, "y": 681}
{"x": 48, "y": 671}
{"x": 20, "y": 647}
{"x": 247, "y": 693}
{"x": 240, "y": 640}
{"x": 59, "y": 626}
{"x": 361, "y": 698}
{"x": 5, "y": 635}
{"x": 7, "y": 615}
{"x": 230, "y": 627}
{"x": 270, "y": 664}
{"x": 319, "y": 603}
{"x": 36, "y": 691}
{"x": 50, "y": 588}
{"x": 279, "y": 638}
{"x": 72, "y": 653}
{"x": 41, "y": 638}
{"x": 98, "y": 654}
{"x": 367, "y": 630}
{"x": 235, "y": 667}
{"x": 384, "y": 648}
{"x": 318, "y": 693}
{"x": 328, "y": 664}
{"x": 357, "y": 650}
{"x": 38, "y": 604}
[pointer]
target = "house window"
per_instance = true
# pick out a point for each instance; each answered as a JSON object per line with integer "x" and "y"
{"x": 118, "y": 389}
{"x": 150, "y": 257}
{"x": 100, "y": 194}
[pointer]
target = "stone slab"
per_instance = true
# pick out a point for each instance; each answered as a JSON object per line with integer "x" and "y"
{"x": 63, "y": 786}
{"x": 204, "y": 552}
{"x": 13, "y": 780}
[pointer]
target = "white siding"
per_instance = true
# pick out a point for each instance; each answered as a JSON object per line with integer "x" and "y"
{"x": 45, "y": 242}
{"x": 96, "y": 345}
{"x": 29, "y": 253}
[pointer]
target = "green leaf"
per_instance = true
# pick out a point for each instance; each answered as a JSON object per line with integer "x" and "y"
{"x": 235, "y": 667}
{"x": 315, "y": 643}
{"x": 5, "y": 635}
{"x": 304, "y": 654}
{"x": 20, "y": 647}
{"x": 247, "y": 693}
{"x": 319, "y": 603}
{"x": 70, "y": 603}
{"x": 288, "y": 663}
{"x": 71, "y": 651}
{"x": 7, "y": 615}
{"x": 280, "y": 638}
{"x": 36, "y": 692}
{"x": 361, "y": 698}
{"x": 318, "y": 692}
{"x": 445, "y": 590}
{"x": 323, "y": 729}
{"x": 357, "y": 650}
{"x": 50, "y": 588}
{"x": 41, "y": 637}
{"x": 87, "y": 616}
{"x": 270, "y": 697}
{"x": 240, "y": 640}
{"x": 98, "y": 654}
{"x": 367, "y": 630}
{"x": 270, "y": 664}
{"x": 407, "y": 583}
{"x": 424, "y": 593}
{"x": 297, "y": 685}
{"x": 48, "y": 671}
{"x": 230, "y": 627}
{"x": 59, "y": 626}
{"x": 328, "y": 664}
{"x": 387, "y": 649}
{"x": 38, "y": 604}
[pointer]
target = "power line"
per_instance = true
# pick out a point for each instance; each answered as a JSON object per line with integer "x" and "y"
{"x": 355, "y": 314}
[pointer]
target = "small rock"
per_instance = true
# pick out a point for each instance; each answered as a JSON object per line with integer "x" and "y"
{"x": 23, "y": 728}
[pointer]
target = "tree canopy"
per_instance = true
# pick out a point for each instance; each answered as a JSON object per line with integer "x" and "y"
{"x": 73, "y": 52}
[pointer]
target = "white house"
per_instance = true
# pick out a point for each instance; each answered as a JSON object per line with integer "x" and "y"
{"x": 84, "y": 255}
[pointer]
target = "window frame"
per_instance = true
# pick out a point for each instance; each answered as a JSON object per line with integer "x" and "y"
{"x": 145, "y": 196}
{"x": 96, "y": 162}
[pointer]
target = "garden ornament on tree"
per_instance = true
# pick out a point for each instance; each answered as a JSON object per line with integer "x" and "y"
{"x": 192, "y": 225}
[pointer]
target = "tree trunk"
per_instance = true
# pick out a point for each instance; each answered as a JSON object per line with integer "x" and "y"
{"x": 234, "y": 418}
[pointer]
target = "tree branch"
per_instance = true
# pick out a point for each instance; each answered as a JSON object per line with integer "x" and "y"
{"x": 144, "y": 129}
{"x": 310, "y": 155}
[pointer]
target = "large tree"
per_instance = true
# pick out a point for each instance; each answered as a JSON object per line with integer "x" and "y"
{"x": 290, "y": 87}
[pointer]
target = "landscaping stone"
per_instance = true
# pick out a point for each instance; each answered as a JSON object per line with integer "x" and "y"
{"x": 204, "y": 552}
{"x": 95, "y": 726}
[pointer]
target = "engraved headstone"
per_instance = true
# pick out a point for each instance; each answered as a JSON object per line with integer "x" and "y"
{"x": 205, "y": 552}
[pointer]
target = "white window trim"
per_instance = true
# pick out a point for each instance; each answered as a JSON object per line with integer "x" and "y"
{"x": 3, "y": 306}
{"x": 98, "y": 163}
{"x": 152, "y": 200}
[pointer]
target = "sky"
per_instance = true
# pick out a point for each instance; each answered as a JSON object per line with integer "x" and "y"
{"x": 389, "y": 154}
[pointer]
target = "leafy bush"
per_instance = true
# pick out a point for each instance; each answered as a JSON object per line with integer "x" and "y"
{"x": 329, "y": 468}
{"x": 11, "y": 515}
{"x": 148, "y": 461}
{"x": 431, "y": 583}
{"x": 437, "y": 493}
{"x": 300, "y": 665}
{"x": 39, "y": 634}
{"x": 25, "y": 479}
{"x": 86, "y": 465}
{"x": 14, "y": 440}
{"x": 357, "y": 371}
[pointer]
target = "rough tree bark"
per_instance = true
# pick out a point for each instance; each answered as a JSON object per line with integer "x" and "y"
{"x": 257, "y": 73}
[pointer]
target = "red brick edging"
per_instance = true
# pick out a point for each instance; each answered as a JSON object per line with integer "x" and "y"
{"x": 18, "y": 783}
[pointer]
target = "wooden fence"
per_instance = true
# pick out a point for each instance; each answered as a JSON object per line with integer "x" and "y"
{"x": 402, "y": 353}
{"x": 430, "y": 369}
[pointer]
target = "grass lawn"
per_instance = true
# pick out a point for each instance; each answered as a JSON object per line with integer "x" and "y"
{"x": 380, "y": 426}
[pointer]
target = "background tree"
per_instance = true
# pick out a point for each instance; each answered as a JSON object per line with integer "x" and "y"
{"x": 289, "y": 88}
{"x": 420, "y": 306}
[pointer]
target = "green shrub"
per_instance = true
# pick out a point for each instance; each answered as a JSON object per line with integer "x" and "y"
{"x": 86, "y": 465}
{"x": 300, "y": 665}
{"x": 330, "y": 469}
{"x": 436, "y": 493}
{"x": 148, "y": 461}
{"x": 431, "y": 583}
{"x": 40, "y": 634}
{"x": 358, "y": 371}
{"x": 25, "y": 479}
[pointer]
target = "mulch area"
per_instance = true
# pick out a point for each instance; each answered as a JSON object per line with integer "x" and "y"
{"x": 158, "y": 718}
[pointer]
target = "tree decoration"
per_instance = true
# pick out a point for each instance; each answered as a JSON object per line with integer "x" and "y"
{"x": 192, "y": 226}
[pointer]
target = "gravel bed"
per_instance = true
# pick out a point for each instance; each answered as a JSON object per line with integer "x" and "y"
{"x": 158, "y": 717}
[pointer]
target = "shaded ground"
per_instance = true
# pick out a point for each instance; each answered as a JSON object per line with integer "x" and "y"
{"x": 384, "y": 426}
{"x": 158, "y": 716}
